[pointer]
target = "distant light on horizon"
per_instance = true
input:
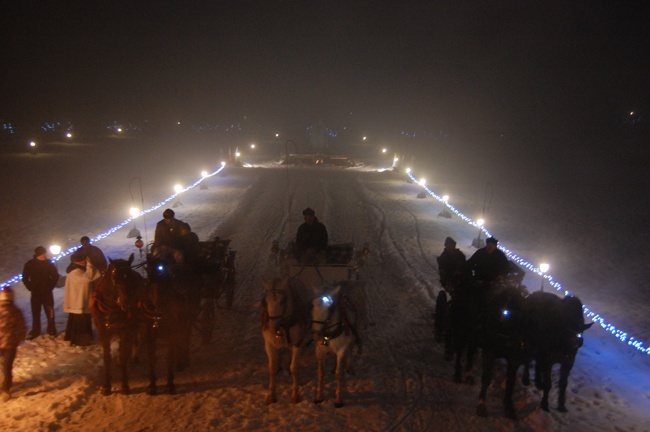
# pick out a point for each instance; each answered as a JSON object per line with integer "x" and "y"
{"x": 134, "y": 211}
{"x": 178, "y": 188}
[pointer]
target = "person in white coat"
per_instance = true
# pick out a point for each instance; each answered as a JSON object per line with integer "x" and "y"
{"x": 79, "y": 282}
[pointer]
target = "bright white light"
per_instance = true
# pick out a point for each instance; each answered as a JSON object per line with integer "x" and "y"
{"x": 32, "y": 144}
{"x": 237, "y": 154}
{"x": 408, "y": 170}
{"x": 223, "y": 163}
{"x": 69, "y": 135}
{"x": 395, "y": 159}
{"x": 55, "y": 249}
{"x": 119, "y": 129}
{"x": 204, "y": 174}
{"x": 631, "y": 112}
{"x": 277, "y": 135}
{"x": 384, "y": 150}
{"x": 364, "y": 138}
{"x": 422, "y": 181}
{"x": 178, "y": 123}
{"x": 134, "y": 211}
{"x": 252, "y": 146}
{"x": 543, "y": 267}
{"x": 480, "y": 222}
{"x": 178, "y": 188}
{"x": 326, "y": 300}
{"x": 445, "y": 198}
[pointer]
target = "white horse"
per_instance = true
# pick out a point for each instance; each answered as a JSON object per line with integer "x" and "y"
{"x": 285, "y": 325}
{"x": 334, "y": 328}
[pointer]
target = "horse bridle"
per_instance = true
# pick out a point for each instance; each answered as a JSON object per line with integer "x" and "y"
{"x": 338, "y": 325}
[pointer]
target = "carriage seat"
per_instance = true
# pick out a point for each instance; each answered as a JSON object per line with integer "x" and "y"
{"x": 340, "y": 254}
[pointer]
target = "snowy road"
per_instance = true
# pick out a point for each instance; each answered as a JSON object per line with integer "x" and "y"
{"x": 402, "y": 382}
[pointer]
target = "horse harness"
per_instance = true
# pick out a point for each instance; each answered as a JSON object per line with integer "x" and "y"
{"x": 286, "y": 322}
{"x": 333, "y": 330}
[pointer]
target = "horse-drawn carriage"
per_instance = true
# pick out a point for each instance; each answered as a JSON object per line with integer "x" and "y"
{"x": 168, "y": 303}
{"x": 313, "y": 297}
{"x": 218, "y": 276}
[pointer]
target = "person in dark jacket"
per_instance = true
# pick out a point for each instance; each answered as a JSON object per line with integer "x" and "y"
{"x": 312, "y": 235}
{"x": 12, "y": 334}
{"x": 488, "y": 264}
{"x": 451, "y": 265}
{"x": 40, "y": 277}
{"x": 168, "y": 230}
{"x": 94, "y": 253}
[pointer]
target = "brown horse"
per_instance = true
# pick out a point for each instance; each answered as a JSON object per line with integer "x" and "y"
{"x": 168, "y": 313}
{"x": 115, "y": 312}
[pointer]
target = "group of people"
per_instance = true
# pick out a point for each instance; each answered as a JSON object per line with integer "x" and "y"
{"x": 40, "y": 277}
{"x": 486, "y": 266}
{"x": 173, "y": 240}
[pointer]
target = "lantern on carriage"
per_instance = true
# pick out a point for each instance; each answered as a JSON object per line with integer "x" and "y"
{"x": 139, "y": 243}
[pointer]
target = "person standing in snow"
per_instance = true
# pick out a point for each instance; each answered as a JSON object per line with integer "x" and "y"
{"x": 94, "y": 253}
{"x": 311, "y": 239}
{"x": 451, "y": 265}
{"x": 76, "y": 301}
{"x": 40, "y": 277}
{"x": 12, "y": 334}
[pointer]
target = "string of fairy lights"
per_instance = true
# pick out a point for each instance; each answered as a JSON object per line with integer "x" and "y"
{"x": 205, "y": 175}
{"x": 621, "y": 335}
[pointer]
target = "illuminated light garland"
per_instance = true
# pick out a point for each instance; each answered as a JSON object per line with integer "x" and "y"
{"x": 121, "y": 225}
{"x": 618, "y": 333}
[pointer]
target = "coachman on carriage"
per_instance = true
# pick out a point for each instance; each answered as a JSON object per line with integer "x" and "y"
{"x": 313, "y": 297}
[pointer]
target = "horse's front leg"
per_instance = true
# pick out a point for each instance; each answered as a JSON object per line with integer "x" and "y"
{"x": 320, "y": 356}
{"x": 295, "y": 392}
{"x": 126, "y": 342}
{"x": 272, "y": 353}
{"x": 511, "y": 376}
{"x": 545, "y": 373}
{"x": 340, "y": 375}
{"x": 172, "y": 358}
{"x": 565, "y": 370}
{"x": 151, "y": 337}
{"x": 105, "y": 338}
{"x": 486, "y": 378}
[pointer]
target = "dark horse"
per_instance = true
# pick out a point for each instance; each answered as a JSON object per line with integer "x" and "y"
{"x": 554, "y": 328}
{"x": 460, "y": 317}
{"x": 115, "y": 312}
{"x": 500, "y": 335}
{"x": 168, "y": 312}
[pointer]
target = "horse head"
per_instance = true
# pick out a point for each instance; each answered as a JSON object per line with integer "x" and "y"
{"x": 122, "y": 279}
{"x": 277, "y": 303}
{"x": 324, "y": 309}
{"x": 570, "y": 314}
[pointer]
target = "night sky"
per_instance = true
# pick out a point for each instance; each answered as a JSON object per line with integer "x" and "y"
{"x": 477, "y": 65}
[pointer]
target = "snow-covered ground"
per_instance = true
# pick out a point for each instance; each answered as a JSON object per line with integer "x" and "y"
{"x": 401, "y": 382}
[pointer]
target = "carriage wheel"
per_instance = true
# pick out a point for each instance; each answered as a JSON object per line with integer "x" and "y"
{"x": 206, "y": 320}
{"x": 230, "y": 294}
{"x": 230, "y": 281}
{"x": 440, "y": 316}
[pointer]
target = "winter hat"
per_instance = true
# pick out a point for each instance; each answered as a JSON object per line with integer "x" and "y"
{"x": 6, "y": 294}
{"x": 168, "y": 214}
{"x": 78, "y": 255}
{"x": 308, "y": 212}
{"x": 450, "y": 241}
{"x": 492, "y": 240}
{"x": 40, "y": 250}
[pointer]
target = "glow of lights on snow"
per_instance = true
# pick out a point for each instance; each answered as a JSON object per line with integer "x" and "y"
{"x": 19, "y": 277}
{"x": 623, "y": 336}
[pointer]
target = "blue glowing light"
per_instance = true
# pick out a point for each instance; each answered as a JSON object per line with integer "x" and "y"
{"x": 326, "y": 300}
{"x": 618, "y": 333}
